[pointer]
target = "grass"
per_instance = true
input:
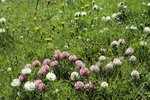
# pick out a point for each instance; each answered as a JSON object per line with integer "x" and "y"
{"x": 35, "y": 31}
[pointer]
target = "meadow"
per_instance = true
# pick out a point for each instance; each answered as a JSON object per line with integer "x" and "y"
{"x": 74, "y": 49}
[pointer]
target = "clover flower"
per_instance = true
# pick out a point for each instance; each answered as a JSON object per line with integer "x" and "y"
{"x": 29, "y": 86}
{"x": 79, "y": 85}
{"x": 47, "y": 62}
{"x": 102, "y": 58}
{"x": 135, "y": 74}
{"x": 104, "y": 85}
{"x": 94, "y": 68}
{"x": 51, "y": 76}
{"x": 15, "y": 83}
{"x": 36, "y": 63}
{"x": 74, "y": 75}
{"x": 72, "y": 58}
{"x": 26, "y": 70}
{"x": 129, "y": 51}
{"x": 84, "y": 71}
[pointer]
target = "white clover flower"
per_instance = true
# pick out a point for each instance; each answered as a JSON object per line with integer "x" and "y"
{"x": 2, "y": 20}
{"x": 121, "y": 4}
{"x": 117, "y": 62}
{"x": 26, "y": 70}
{"x": 102, "y": 58}
{"x": 129, "y": 51}
{"x": 133, "y": 28}
{"x": 77, "y": 14}
{"x": 3, "y": 0}
{"x": 9, "y": 69}
{"x": 146, "y": 30}
{"x": 135, "y": 74}
{"x": 104, "y": 85}
{"x": 83, "y": 13}
{"x": 95, "y": 7}
{"x": 114, "y": 16}
{"x": 29, "y": 86}
{"x": 148, "y": 4}
{"x": 143, "y": 43}
{"x": 114, "y": 43}
{"x": 74, "y": 75}
{"x": 94, "y": 68}
{"x": 121, "y": 41}
{"x": 132, "y": 58}
{"x": 98, "y": 64}
{"x": 15, "y": 83}
{"x": 109, "y": 66}
{"x": 2, "y": 30}
{"x": 51, "y": 76}
{"x": 107, "y": 18}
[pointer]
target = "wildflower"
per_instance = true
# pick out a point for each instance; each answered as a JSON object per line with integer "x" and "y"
{"x": 108, "y": 18}
{"x": 79, "y": 64}
{"x": 114, "y": 16}
{"x": 82, "y": 8}
{"x": 79, "y": 85}
{"x": 146, "y": 30}
{"x": 2, "y": 30}
{"x": 77, "y": 14}
{"x": 133, "y": 28}
{"x": 41, "y": 87}
{"x": 95, "y": 7}
{"x": 117, "y": 62}
{"x": 94, "y": 68}
{"x": 9, "y": 69}
{"x": 57, "y": 54}
{"x": 54, "y": 64}
{"x": 121, "y": 41}
{"x": 143, "y": 43}
{"x": 83, "y": 13}
{"x": 132, "y": 58}
{"x": 35, "y": 18}
{"x": 2, "y": 20}
{"x": 104, "y": 85}
{"x": 109, "y": 66}
{"x": 36, "y": 63}
{"x": 29, "y": 86}
{"x": 28, "y": 65}
{"x": 22, "y": 78}
{"x": 47, "y": 62}
{"x": 37, "y": 28}
{"x": 103, "y": 50}
{"x": 89, "y": 85}
{"x": 37, "y": 82}
{"x": 74, "y": 75}
{"x": 3, "y": 0}
{"x": 135, "y": 74}
{"x": 102, "y": 58}
{"x": 65, "y": 54}
{"x": 114, "y": 44}
{"x": 87, "y": 5}
{"x": 26, "y": 70}
{"x": 42, "y": 71}
{"x": 48, "y": 39}
{"x": 46, "y": 67}
{"x": 98, "y": 64}
{"x": 72, "y": 57}
{"x": 15, "y": 83}
{"x": 148, "y": 4}
{"x": 62, "y": 23}
{"x": 84, "y": 71}
{"x": 51, "y": 76}
{"x": 129, "y": 51}
{"x": 62, "y": 4}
